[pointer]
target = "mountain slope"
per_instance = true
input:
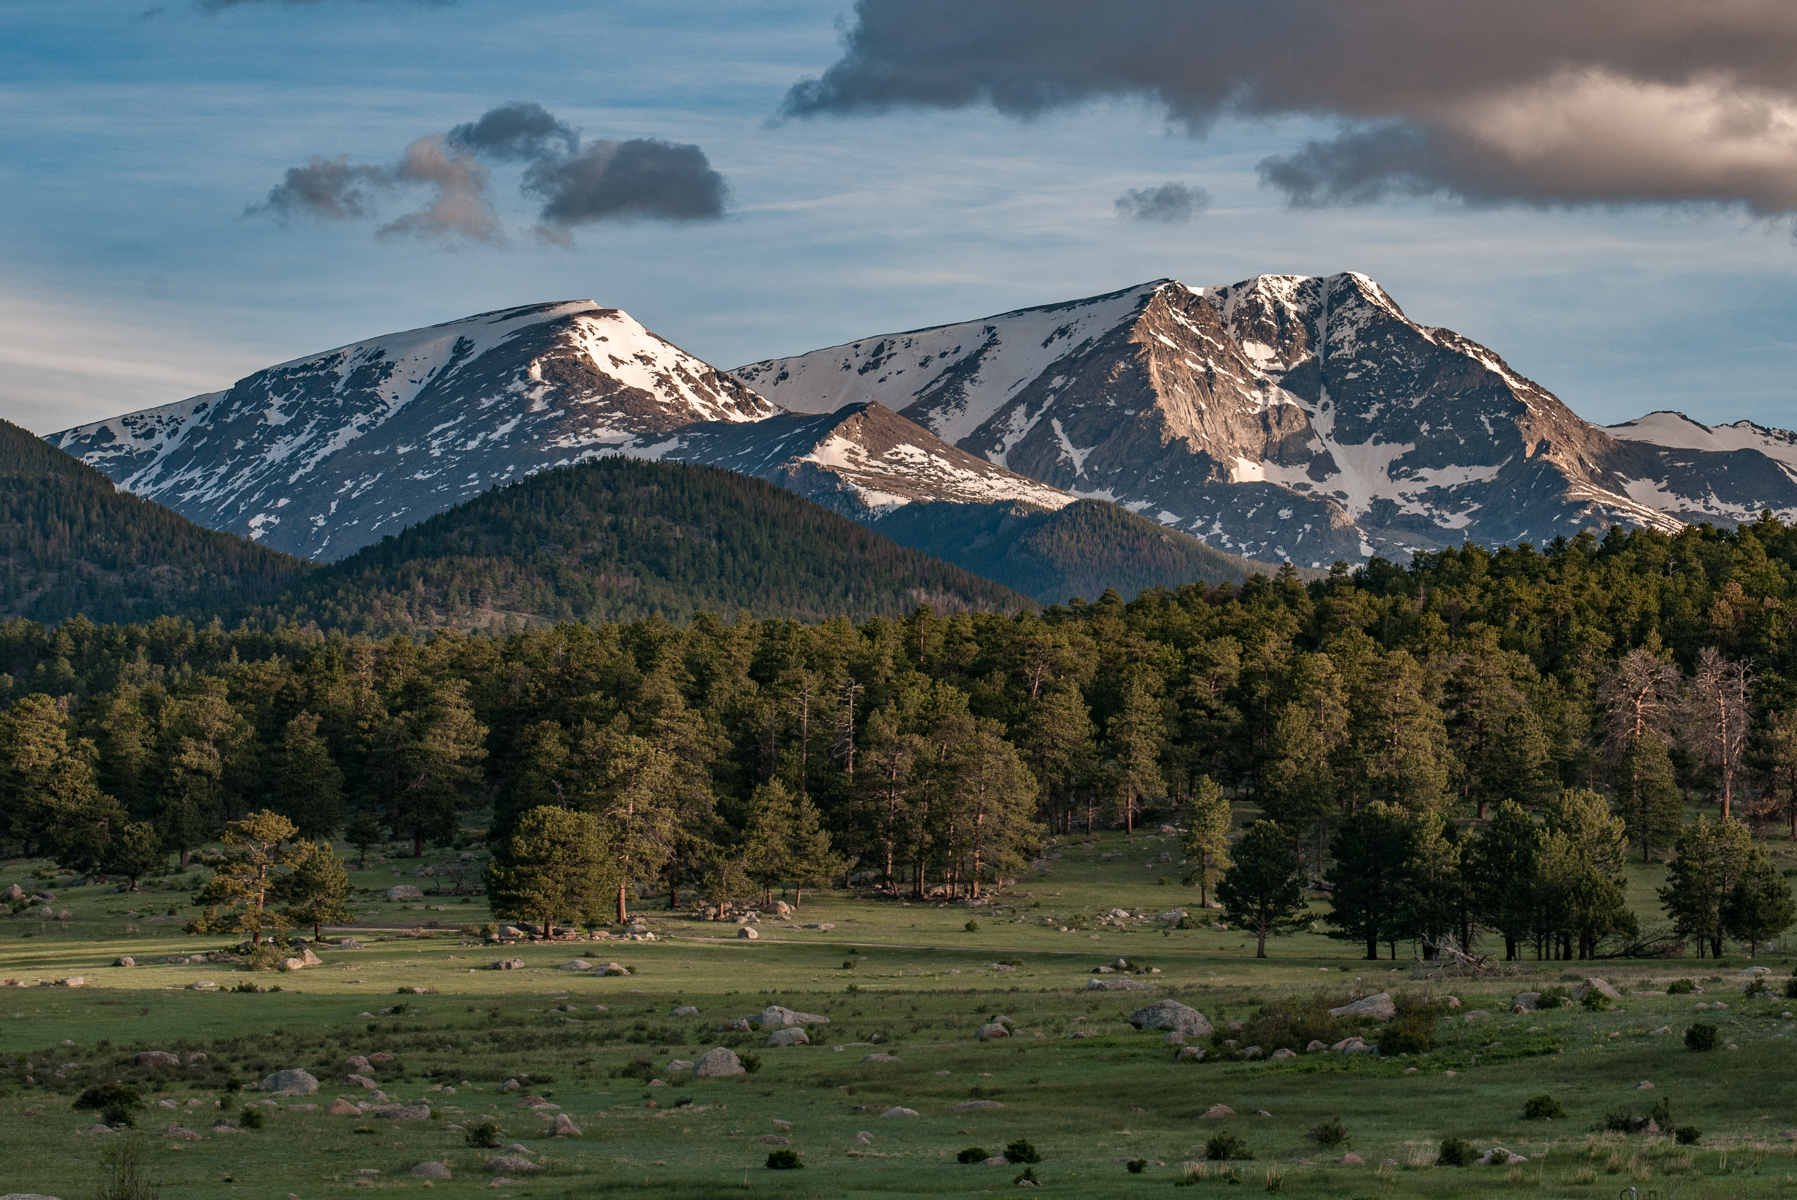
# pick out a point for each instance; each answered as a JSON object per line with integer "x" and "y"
{"x": 1078, "y": 550}
{"x": 617, "y": 538}
{"x": 325, "y": 454}
{"x": 71, "y": 543}
{"x": 1281, "y": 417}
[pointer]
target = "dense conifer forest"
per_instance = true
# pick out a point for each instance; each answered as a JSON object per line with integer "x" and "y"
{"x": 1459, "y": 752}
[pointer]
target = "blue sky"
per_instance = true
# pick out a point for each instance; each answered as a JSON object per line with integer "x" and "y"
{"x": 136, "y": 136}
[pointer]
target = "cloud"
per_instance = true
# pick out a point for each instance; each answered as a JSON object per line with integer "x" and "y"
{"x": 643, "y": 178}
{"x": 639, "y": 179}
{"x": 519, "y": 130}
{"x": 1543, "y": 102}
{"x": 1170, "y": 203}
{"x": 220, "y": 5}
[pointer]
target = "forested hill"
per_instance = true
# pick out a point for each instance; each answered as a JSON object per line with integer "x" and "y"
{"x": 617, "y": 539}
{"x": 70, "y": 543}
{"x": 1079, "y": 550}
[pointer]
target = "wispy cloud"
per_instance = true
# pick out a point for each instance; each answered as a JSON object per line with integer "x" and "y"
{"x": 1171, "y": 203}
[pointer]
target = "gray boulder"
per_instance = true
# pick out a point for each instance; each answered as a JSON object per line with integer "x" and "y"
{"x": 1525, "y": 1002}
{"x": 1115, "y": 985}
{"x": 1379, "y": 1007}
{"x": 290, "y": 1083}
{"x": 775, "y": 1017}
{"x": 157, "y": 1058}
{"x": 405, "y": 1112}
{"x": 685, "y": 1010}
{"x": 788, "y": 1037}
{"x": 576, "y": 964}
{"x": 1599, "y": 986}
{"x": 1190, "y": 1054}
{"x": 508, "y": 964}
{"x": 431, "y": 1170}
{"x": 992, "y": 1032}
{"x": 718, "y": 1063}
{"x": 1171, "y": 1014}
{"x": 505, "y": 1164}
{"x": 404, "y": 891}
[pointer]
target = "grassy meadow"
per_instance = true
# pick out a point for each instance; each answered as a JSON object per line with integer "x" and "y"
{"x": 921, "y": 983}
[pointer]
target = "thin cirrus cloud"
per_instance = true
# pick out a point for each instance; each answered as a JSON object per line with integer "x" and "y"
{"x": 576, "y": 183}
{"x": 1538, "y": 102}
{"x": 1171, "y": 203}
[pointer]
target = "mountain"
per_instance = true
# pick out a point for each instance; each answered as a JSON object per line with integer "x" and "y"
{"x": 1078, "y": 550}
{"x": 617, "y": 538}
{"x": 1284, "y": 417}
{"x": 326, "y": 454}
{"x": 71, "y": 543}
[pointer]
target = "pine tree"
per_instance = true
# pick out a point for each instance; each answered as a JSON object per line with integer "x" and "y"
{"x": 237, "y": 896}
{"x": 1206, "y": 841}
{"x": 317, "y": 890}
{"x": 1759, "y": 905}
{"x": 362, "y": 831}
{"x": 553, "y": 868}
{"x": 813, "y": 861}
{"x": 307, "y": 784}
{"x": 1263, "y": 889}
{"x": 134, "y": 851}
{"x": 1135, "y": 738}
{"x": 1499, "y": 870}
{"x": 1370, "y": 879}
{"x": 1652, "y": 808}
{"x": 1709, "y": 859}
{"x": 769, "y": 838}
{"x": 629, "y": 786}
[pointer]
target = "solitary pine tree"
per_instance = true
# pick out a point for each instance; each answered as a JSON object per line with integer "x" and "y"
{"x": 1710, "y": 856}
{"x": 317, "y": 890}
{"x": 134, "y": 851}
{"x": 1263, "y": 890}
{"x": 363, "y": 831}
{"x": 1759, "y": 905}
{"x": 236, "y": 898}
{"x": 1206, "y": 841}
{"x": 769, "y": 847}
{"x": 813, "y": 860}
{"x": 551, "y": 869}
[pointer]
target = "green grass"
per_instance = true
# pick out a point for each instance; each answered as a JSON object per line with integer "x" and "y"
{"x": 922, "y": 985}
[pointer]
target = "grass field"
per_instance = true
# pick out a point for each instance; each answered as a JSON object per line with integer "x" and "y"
{"x": 921, "y": 985}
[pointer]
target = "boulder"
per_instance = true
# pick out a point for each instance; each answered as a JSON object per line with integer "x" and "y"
{"x": 776, "y": 1017}
{"x": 179, "y": 1134}
{"x": 378, "y": 1059}
{"x": 991, "y": 1032}
{"x": 405, "y": 1112}
{"x": 1314, "y": 1047}
{"x": 969, "y": 1105}
{"x": 1497, "y": 1156}
{"x": 879, "y": 1058}
{"x": 718, "y": 1063}
{"x": 508, "y": 932}
{"x": 614, "y": 969}
{"x": 1283, "y": 1053}
{"x": 565, "y": 1126}
{"x": 342, "y": 1108}
{"x": 774, "y": 1139}
{"x": 506, "y": 1164}
{"x": 151, "y": 1059}
{"x": 788, "y": 1037}
{"x": 1662, "y": 1031}
{"x": 897, "y": 1111}
{"x": 1115, "y": 985}
{"x": 1171, "y": 1014}
{"x": 1597, "y": 985}
{"x": 1190, "y": 1054}
{"x": 291, "y": 964}
{"x": 431, "y": 1170}
{"x": 1379, "y": 1007}
{"x": 291, "y": 1082}
{"x": 125, "y": 961}
{"x": 677, "y": 1064}
{"x": 1251, "y": 1052}
{"x": 508, "y": 964}
{"x": 361, "y": 1081}
{"x": 685, "y": 1010}
{"x": 747, "y": 933}
{"x": 576, "y": 964}
{"x": 404, "y": 891}
{"x": 782, "y": 908}
{"x": 1218, "y": 1110}
{"x": 1525, "y": 1002}
{"x": 356, "y": 1062}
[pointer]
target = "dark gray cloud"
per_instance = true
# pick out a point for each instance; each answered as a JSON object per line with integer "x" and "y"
{"x": 1548, "y": 102}
{"x": 326, "y": 189}
{"x": 643, "y": 178}
{"x": 640, "y": 179}
{"x": 1171, "y": 203}
{"x": 516, "y": 131}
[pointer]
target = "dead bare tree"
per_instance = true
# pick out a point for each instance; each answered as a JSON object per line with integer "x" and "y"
{"x": 1720, "y": 690}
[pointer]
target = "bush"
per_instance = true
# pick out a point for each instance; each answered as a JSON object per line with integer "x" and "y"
{"x": 972, "y": 1154}
{"x": 1021, "y": 1151}
{"x": 1136, "y": 1165}
{"x": 1791, "y": 988}
{"x": 484, "y": 1136}
{"x": 1412, "y": 1031}
{"x": 1026, "y": 1175}
{"x": 1681, "y": 987}
{"x": 784, "y": 1160}
{"x": 253, "y": 1118}
{"x": 1554, "y": 997}
{"x": 1543, "y": 1108}
{"x": 1330, "y": 1134}
{"x": 751, "y": 1062}
{"x": 127, "y": 1174}
{"x": 1594, "y": 1001}
{"x": 1292, "y": 1024}
{"x": 1456, "y": 1152}
{"x": 114, "y": 1100}
{"x": 1758, "y": 986}
{"x": 1622, "y": 1121}
{"x": 1662, "y": 1115}
{"x": 1225, "y": 1147}
{"x": 1702, "y": 1037}
{"x": 972, "y": 927}
{"x": 1687, "y": 1135}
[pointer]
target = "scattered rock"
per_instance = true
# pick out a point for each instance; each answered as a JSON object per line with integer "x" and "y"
{"x": 1525, "y": 1002}
{"x": 774, "y": 1139}
{"x": 290, "y": 1083}
{"x": 747, "y": 933}
{"x": 1190, "y": 1054}
{"x": 1314, "y": 1047}
{"x": 1379, "y": 1007}
{"x": 356, "y": 1062}
{"x": 1498, "y": 1156}
{"x": 1171, "y": 1014}
{"x": 1218, "y": 1110}
{"x": 342, "y": 1108}
{"x": 788, "y": 1037}
{"x": 1353, "y": 1160}
{"x": 405, "y": 1112}
{"x": 967, "y": 1105}
{"x": 1251, "y": 1052}
{"x": 775, "y": 1017}
{"x": 685, "y": 1010}
{"x": 505, "y": 1164}
{"x": 431, "y": 1170}
{"x": 404, "y": 891}
{"x": 1283, "y": 1053}
{"x": 510, "y": 1085}
{"x": 992, "y": 1032}
{"x": 718, "y": 1063}
{"x": 1115, "y": 985}
{"x": 125, "y": 961}
{"x": 180, "y": 1134}
{"x": 508, "y": 964}
{"x": 899, "y": 1112}
{"x": 151, "y": 1059}
{"x": 565, "y": 1126}
{"x": 361, "y": 1081}
{"x": 677, "y": 1064}
{"x": 1662, "y": 1031}
{"x": 576, "y": 964}
{"x": 1597, "y": 985}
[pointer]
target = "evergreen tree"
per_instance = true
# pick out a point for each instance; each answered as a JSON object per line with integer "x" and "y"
{"x": 1135, "y": 737}
{"x": 552, "y": 868}
{"x": 1263, "y": 890}
{"x": 1652, "y": 808}
{"x": 1499, "y": 872}
{"x": 1056, "y": 741}
{"x": 1206, "y": 841}
{"x": 308, "y": 787}
{"x": 427, "y": 756}
{"x": 1759, "y": 905}
{"x": 813, "y": 861}
{"x": 317, "y": 890}
{"x": 885, "y": 790}
{"x": 236, "y": 898}
{"x": 1581, "y": 861}
{"x": 1370, "y": 880}
{"x": 632, "y": 793}
{"x": 769, "y": 838}
{"x": 362, "y": 831}
{"x": 1708, "y": 860}
{"x": 988, "y": 804}
{"x": 133, "y": 851}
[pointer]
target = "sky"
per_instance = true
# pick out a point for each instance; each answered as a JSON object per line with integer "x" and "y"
{"x": 1602, "y": 192}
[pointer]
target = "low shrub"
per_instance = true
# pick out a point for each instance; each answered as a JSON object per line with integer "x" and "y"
{"x": 1554, "y": 997}
{"x": 1687, "y": 1135}
{"x": 1292, "y": 1024}
{"x": 1330, "y": 1134}
{"x": 253, "y": 1118}
{"x": 1027, "y": 1175}
{"x": 114, "y": 1100}
{"x": 1594, "y": 1001}
{"x": 1758, "y": 986}
{"x": 1456, "y": 1152}
{"x": 1136, "y": 1166}
{"x": 1412, "y": 1031}
{"x": 1543, "y": 1108}
{"x": 1020, "y": 1151}
{"x": 1227, "y": 1147}
{"x": 972, "y": 1154}
{"x": 1790, "y": 992}
{"x": 1681, "y": 987}
{"x": 751, "y": 1062}
{"x": 484, "y": 1136}
{"x": 1621, "y": 1120}
{"x": 1662, "y": 1115}
{"x": 972, "y": 927}
{"x": 784, "y": 1160}
{"x": 1702, "y": 1037}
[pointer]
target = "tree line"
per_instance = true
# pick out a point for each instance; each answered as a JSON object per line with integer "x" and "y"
{"x": 1413, "y": 733}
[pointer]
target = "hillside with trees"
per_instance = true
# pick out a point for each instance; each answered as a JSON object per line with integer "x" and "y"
{"x": 618, "y": 539}
{"x": 71, "y": 543}
{"x": 1464, "y": 753}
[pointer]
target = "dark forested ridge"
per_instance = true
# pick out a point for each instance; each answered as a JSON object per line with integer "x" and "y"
{"x": 1467, "y": 749}
{"x": 70, "y": 543}
{"x": 1079, "y": 550}
{"x": 618, "y": 539}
